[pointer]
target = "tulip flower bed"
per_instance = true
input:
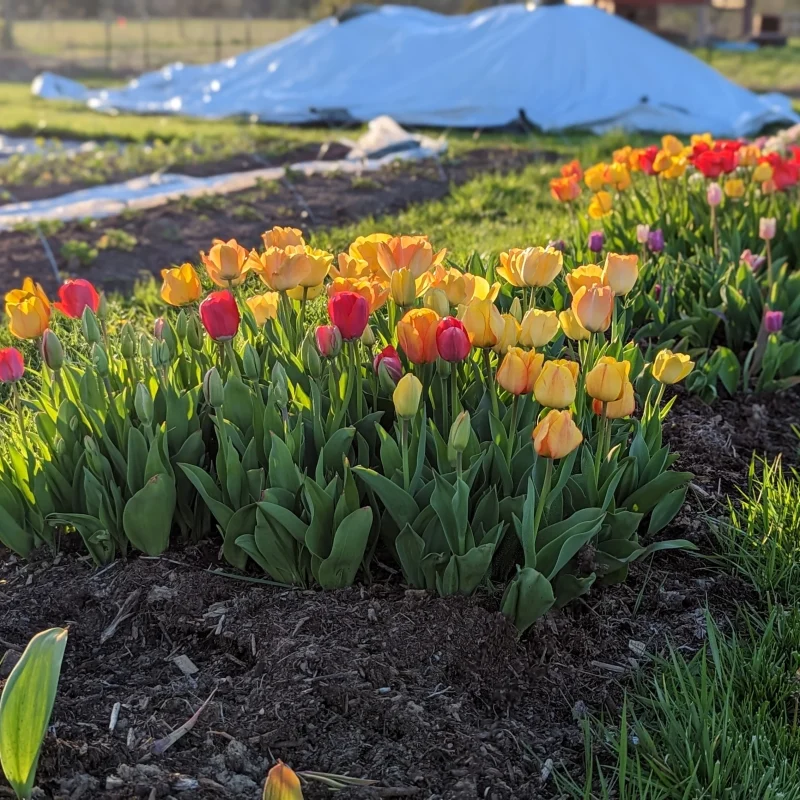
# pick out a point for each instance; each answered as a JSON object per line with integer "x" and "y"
{"x": 717, "y": 225}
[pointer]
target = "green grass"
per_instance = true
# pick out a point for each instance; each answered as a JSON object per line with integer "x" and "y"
{"x": 768, "y": 69}
{"x": 190, "y": 40}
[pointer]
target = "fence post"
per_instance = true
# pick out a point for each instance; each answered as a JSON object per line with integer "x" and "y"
{"x": 218, "y": 41}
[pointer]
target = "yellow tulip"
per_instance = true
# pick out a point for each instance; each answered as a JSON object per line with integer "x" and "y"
{"x": 264, "y": 306}
{"x": 592, "y": 307}
{"x": 28, "y": 310}
{"x": 282, "y": 784}
{"x": 413, "y": 253}
{"x": 402, "y": 287}
{"x": 734, "y": 187}
{"x": 588, "y": 276}
{"x": 623, "y": 407}
{"x": 306, "y": 293}
{"x": 672, "y": 145}
{"x": 702, "y": 138}
{"x": 227, "y": 263}
{"x": 600, "y": 205}
{"x": 555, "y": 386}
{"x": 286, "y": 268}
{"x": 318, "y": 265}
{"x": 519, "y": 370}
{"x": 618, "y": 176}
{"x": 478, "y": 288}
{"x": 180, "y": 285}
{"x": 556, "y": 435}
{"x": 763, "y": 172}
{"x": 282, "y": 237}
{"x": 621, "y": 272}
{"x": 407, "y": 396}
{"x": 538, "y": 328}
{"x": 364, "y": 248}
{"x": 572, "y": 328}
{"x": 595, "y": 177}
{"x": 607, "y": 380}
{"x": 533, "y": 266}
{"x": 509, "y": 336}
{"x": 669, "y": 367}
{"x": 349, "y": 267}
{"x": 373, "y": 291}
{"x": 484, "y": 323}
{"x": 676, "y": 168}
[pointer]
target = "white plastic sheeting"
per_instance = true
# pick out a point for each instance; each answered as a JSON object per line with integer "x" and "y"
{"x": 562, "y": 66}
{"x": 383, "y": 142}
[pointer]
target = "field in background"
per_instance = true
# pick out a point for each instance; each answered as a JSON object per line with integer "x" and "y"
{"x": 130, "y": 44}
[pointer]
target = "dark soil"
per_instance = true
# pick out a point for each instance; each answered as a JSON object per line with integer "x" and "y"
{"x": 174, "y": 233}
{"x": 430, "y": 698}
{"x": 239, "y": 162}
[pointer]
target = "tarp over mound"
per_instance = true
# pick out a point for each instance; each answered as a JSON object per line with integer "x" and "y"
{"x": 560, "y": 66}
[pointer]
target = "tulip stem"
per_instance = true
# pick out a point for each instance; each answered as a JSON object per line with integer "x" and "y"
{"x": 530, "y": 550}
{"x": 357, "y": 379}
{"x": 715, "y": 228}
{"x": 404, "y": 447}
{"x": 303, "y": 311}
{"x": 20, "y": 415}
{"x": 228, "y": 346}
{"x": 770, "y": 279}
{"x": 512, "y": 431}
{"x": 601, "y": 443}
{"x": 445, "y": 421}
{"x": 455, "y": 405}
{"x": 492, "y": 389}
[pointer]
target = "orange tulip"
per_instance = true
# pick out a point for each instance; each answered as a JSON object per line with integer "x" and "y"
{"x": 593, "y": 307}
{"x": 416, "y": 334}
{"x": 519, "y": 370}
{"x": 556, "y": 435}
{"x": 565, "y": 190}
{"x": 413, "y": 253}
{"x": 607, "y": 380}
{"x": 227, "y": 263}
{"x": 349, "y": 267}
{"x": 623, "y": 407}
{"x": 364, "y": 248}
{"x": 621, "y": 272}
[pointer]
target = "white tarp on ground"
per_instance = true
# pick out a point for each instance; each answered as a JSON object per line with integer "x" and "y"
{"x": 562, "y": 66}
{"x": 383, "y": 142}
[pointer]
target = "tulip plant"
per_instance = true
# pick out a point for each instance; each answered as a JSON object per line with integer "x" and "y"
{"x": 476, "y": 432}
{"x": 717, "y": 227}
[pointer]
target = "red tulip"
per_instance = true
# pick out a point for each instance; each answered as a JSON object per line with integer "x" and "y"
{"x": 12, "y": 365}
{"x": 713, "y": 163}
{"x": 329, "y": 341}
{"x": 646, "y": 159}
{"x": 452, "y": 339}
{"x": 220, "y": 316}
{"x": 349, "y": 312}
{"x": 75, "y": 296}
{"x": 389, "y": 358}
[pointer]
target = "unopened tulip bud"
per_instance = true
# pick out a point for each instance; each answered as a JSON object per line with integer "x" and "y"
{"x": 655, "y": 241}
{"x": 557, "y": 244}
{"x": 213, "y": 390}
{"x": 368, "y": 337}
{"x": 127, "y": 339}
{"x": 436, "y": 300}
{"x": 386, "y": 378}
{"x": 767, "y": 228}
{"x": 143, "y": 403}
{"x": 282, "y": 784}
{"x": 402, "y": 287}
{"x": 280, "y": 385}
{"x": 102, "y": 306}
{"x": 657, "y": 292}
{"x": 181, "y": 324}
{"x": 773, "y": 321}
{"x": 407, "y": 396}
{"x": 100, "y": 360}
{"x": 516, "y": 309}
{"x": 310, "y": 357}
{"x": 163, "y": 332}
{"x": 195, "y": 332}
{"x": 596, "y": 241}
{"x": 90, "y": 327}
{"x": 145, "y": 343}
{"x": 251, "y": 363}
{"x": 52, "y": 351}
{"x": 460, "y": 433}
{"x": 642, "y": 233}
{"x": 329, "y": 340}
{"x": 714, "y": 194}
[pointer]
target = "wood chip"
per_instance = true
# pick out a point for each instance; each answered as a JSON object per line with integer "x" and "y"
{"x": 126, "y": 611}
{"x": 186, "y": 665}
{"x": 114, "y": 716}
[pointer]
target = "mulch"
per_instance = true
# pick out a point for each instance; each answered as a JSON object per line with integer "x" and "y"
{"x": 174, "y": 233}
{"x": 431, "y": 698}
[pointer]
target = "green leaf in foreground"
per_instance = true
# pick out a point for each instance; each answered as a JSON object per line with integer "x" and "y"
{"x": 26, "y": 705}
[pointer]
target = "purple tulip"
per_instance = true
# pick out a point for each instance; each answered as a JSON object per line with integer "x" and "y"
{"x": 557, "y": 244}
{"x": 773, "y": 321}
{"x": 596, "y": 241}
{"x": 655, "y": 241}
{"x": 657, "y": 292}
